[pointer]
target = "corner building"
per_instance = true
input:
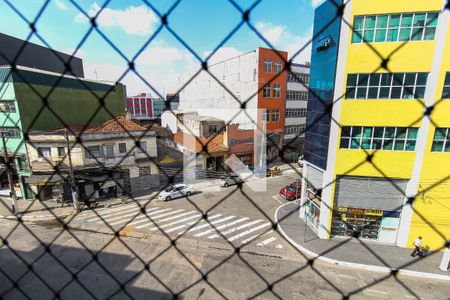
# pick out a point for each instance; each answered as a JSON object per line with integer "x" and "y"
{"x": 377, "y": 149}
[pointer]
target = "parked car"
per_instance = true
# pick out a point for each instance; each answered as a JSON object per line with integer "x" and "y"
{"x": 292, "y": 191}
{"x": 176, "y": 191}
{"x": 230, "y": 180}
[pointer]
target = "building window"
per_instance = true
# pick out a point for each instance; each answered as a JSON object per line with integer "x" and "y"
{"x": 298, "y": 77}
{"x": 122, "y": 148}
{"x": 267, "y": 66}
{"x": 275, "y": 115}
{"x": 44, "y": 152}
{"x": 277, "y": 66}
{"x": 143, "y": 107}
{"x": 137, "y": 110}
{"x": 379, "y": 138}
{"x": 446, "y": 90}
{"x": 276, "y": 90}
{"x": 61, "y": 151}
{"x": 92, "y": 152}
{"x": 109, "y": 151}
{"x": 395, "y": 27}
{"x": 7, "y": 107}
{"x": 212, "y": 128}
{"x": 386, "y": 86}
{"x": 266, "y": 115}
{"x": 295, "y": 95}
{"x": 441, "y": 140}
{"x": 142, "y": 146}
{"x": 294, "y": 129}
{"x": 10, "y": 132}
{"x": 266, "y": 91}
{"x": 295, "y": 112}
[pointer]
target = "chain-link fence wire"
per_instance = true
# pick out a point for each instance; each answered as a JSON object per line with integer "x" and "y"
{"x": 74, "y": 138}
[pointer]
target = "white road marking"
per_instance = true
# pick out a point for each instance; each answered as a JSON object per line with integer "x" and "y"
{"x": 176, "y": 222}
{"x": 112, "y": 213}
{"x": 276, "y": 198}
{"x": 207, "y": 224}
{"x": 375, "y": 291}
{"x": 153, "y": 218}
{"x": 236, "y": 229}
{"x": 197, "y": 221}
{"x": 114, "y": 218}
{"x": 94, "y": 212}
{"x": 135, "y": 220}
{"x": 279, "y": 246}
{"x": 266, "y": 242}
{"x": 174, "y": 228}
{"x": 235, "y": 237}
{"x": 250, "y": 238}
{"x": 220, "y": 227}
{"x": 177, "y": 216}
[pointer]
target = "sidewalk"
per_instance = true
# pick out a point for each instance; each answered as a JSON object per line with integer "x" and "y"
{"x": 355, "y": 253}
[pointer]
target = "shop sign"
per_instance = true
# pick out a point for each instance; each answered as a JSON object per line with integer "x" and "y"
{"x": 343, "y": 209}
{"x": 373, "y": 212}
{"x": 392, "y": 214}
{"x": 355, "y": 211}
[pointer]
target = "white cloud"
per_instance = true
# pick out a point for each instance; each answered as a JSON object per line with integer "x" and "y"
{"x": 315, "y": 3}
{"x": 282, "y": 39}
{"x": 135, "y": 20}
{"x": 222, "y": 54}
{"x": 60, "y": 4}
{"x": 159, "y": 56}
{"x": 79, "y": 53}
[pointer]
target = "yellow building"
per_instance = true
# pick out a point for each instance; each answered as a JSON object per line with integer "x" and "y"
{"x": 380, "y": 163}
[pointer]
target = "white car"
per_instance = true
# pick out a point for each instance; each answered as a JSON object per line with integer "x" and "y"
{"x": 175, "y": 191}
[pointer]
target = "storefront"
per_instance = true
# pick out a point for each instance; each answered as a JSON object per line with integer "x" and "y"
{"x": 372, "y": 224}
{"x": 312, "y": 209}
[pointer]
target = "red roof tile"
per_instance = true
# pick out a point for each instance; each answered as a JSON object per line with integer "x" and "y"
{"x": 118, "y": 124}
{"x": 213, "y": 144}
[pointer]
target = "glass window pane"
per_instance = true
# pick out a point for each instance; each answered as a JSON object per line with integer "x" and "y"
{"x": 357, "y": 37}
{"x": 388, "y": 144}
{"x": 376, "y": 144}
{"x": 365, "y": 144}
{"x": 429, "y": 33}
{"x": 401, "y": 133}
{"x": 356, "y": 131}
{"x": 446, "y": 92}
{"x": 384, "y": 93}
{"x": 448, "y": 134}
{"x": 396, "y": 92}
{"x": 389, "y": 132}
{"x": 367, "y": 132}
{"x": 432, "y": 19}
{"x": 408, "y": 92}
{"x": 386, "y": 79}
{"x": 373, "y": 93}
{"x": 404, "y": 34}
{"x": 447, "y": 146}
{"x": 380, "y": 35}
{"x": 410, "y": 145}
{"x": 394, "y": 20}
{"x": 363, "y": 79}
{"x": 437, "y": 146}
{"x": 407, "y": 20}
{"x": 361, "y": 93}
{"x": 370, "y": 22}
{"x": 345, "y": 143}
{"x": 419, "y": 19}
{"x": 447, "y": 78}
{"x": 420, "y": 93}
{"x": 350, "y": 94}
{"x": 439, "y": 134}
{"x": 399, "y": 145}
{"x": 412, "y": 133}
{"x": 410, "y": 78}
{"x": 398, "y": 79}
{"x": 358, "y": 23}
{"x": 421, "y": 79}
{"x": 392, "y": 35}
{"x": 351, "y": 79}
{"x": 378, "y": 132}
{"x": 382, "y": 21}
{"x": 374, "y": 79}
{"x": 368, "y": 36}
{"x": 417, "y": 34}
{"x": 346, "y": 131}
{"x": 355, "y": 144}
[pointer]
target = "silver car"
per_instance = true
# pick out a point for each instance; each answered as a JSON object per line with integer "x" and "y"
{"x": 229, "y": 180}
{"x": 176, "y": 191}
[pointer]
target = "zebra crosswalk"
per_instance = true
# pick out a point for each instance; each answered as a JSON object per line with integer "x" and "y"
{"x": 235, "y": 229}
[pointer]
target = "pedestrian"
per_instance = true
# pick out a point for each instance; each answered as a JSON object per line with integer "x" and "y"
{"x": 61, "y": 198}
{"x": 417, "y": 247}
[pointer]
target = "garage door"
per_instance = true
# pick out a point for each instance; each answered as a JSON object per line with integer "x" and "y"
{"x": 370, "y": 193}
{"x": 314, "y": 177}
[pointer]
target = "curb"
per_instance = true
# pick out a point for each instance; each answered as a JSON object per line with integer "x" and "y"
{"x": 354, "y": 265}
{"x": 32, "y": 219}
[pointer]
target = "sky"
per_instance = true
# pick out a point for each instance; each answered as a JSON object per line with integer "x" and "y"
{"x": 132, "y": 25}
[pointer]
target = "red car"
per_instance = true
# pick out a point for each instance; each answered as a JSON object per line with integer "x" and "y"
{"x": 291, "y": 191}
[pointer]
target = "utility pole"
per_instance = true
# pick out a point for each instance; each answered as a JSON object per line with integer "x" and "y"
{"x": 10, "y": 179}
{"x": 73, "y": 188}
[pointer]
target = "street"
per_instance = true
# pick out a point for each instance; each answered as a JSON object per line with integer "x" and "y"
{"x": 44, "y": 259}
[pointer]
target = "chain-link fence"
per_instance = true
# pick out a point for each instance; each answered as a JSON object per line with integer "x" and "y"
{"x": 112, "y": 176}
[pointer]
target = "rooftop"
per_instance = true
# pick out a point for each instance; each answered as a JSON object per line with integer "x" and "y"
{"x": 213, "y": 144}
{"x": 118, "y": 124}
{"x": 202, "y": 118}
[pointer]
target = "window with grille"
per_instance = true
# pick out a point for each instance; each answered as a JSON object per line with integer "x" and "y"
{"x": 446, "y": 90}
{"x": 395, "y": 27}
{"x": 44, "y": 152}
{"x": 441, "y": 140}
{"x": 276, "y": 90}
{"x": 122, "y": 148}
{"x": 379, "y": 138}
{"x": 7, "y": 107}
{"x": 267, "y": 66}
{"x": 266, "y": 91}
{"x": 275, "y": 115}
{"x": 295, "y": 112}
{"x": 10, "y": 132}
{"x": 92, "y": 152}
{"x": 296, "y": 95}
{"x": 386, "y": 86}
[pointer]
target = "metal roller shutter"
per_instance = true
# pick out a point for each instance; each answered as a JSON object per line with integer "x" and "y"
{"x": 370, "y": 193}
{"x": 314, "y": 177}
